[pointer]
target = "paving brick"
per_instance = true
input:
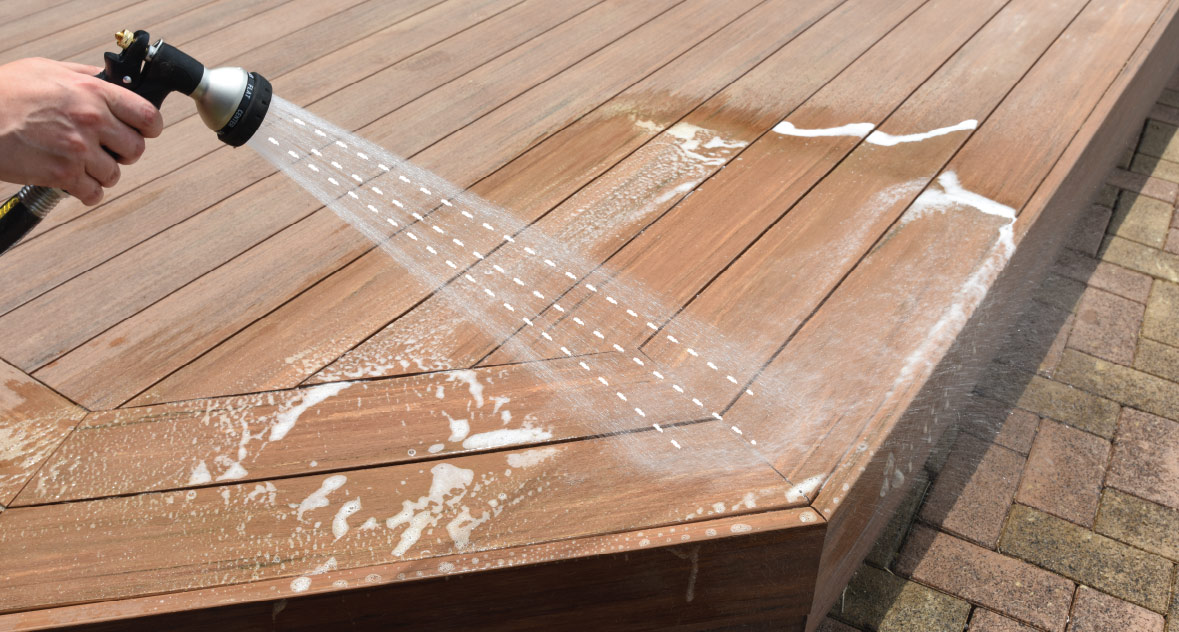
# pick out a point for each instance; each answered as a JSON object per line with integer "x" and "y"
{"x": 1173, "y": 615}
{"x": 1172, "y": 245}
{"x": 882, "y": 601}
{"x": 1088, "y": 558}
{"x": 1057, "y": 400}
{"x": 1155, "y": 167}
{"x": 893, "y": 536}
{"x": 1030, "y": 345}
{"x": 1146, "y": 458}
{"x": 1089, "y": 229}
{"x": 1105, "y": 276}
{"x": 1056, "y": 351}
{"x": 993, "y": 421}
{"x": 1124, "y": 384}
{"x": 971, "y": 495}
{"x": 1160, "y": 140}
{"x": 1107, "y": 326}
{"x": 1060, "y": 292}
{"x": 1144, "y": 524}
{"x": 1156, "y": 188}
{"x": 984, "y": 620}
{"x": 1094, "y": 611}
{"x": 1142, "y": 219}
{"x": 1158, "y": 359}
{"x": 1064, "y": 472}
{"x": 1135, "y": 256}
{"x": 1162, "y": 314}
{"x": 1006, "y": 585}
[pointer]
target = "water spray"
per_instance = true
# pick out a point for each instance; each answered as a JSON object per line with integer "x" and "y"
{"x": 230, "y": 101}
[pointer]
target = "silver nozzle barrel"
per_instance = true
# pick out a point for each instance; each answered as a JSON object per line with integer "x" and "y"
{"x": 232, "y": 102}
{"x": 219, "y": 94}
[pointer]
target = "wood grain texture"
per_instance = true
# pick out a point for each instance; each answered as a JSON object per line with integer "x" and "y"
{"x": 43, "y": 25}
{"x": 175, "y": 266}
{"x": 35, "y": 422}
{"x": 273, "y": 43}
{"x": 185, "y": 540}
{"x": 350, "y": 305}
{"x": 88, "y": 34}
{"x": 327, "y": 243}
{"x": 823, "y": 299}
{"x": 365, "y": 424}
{"x": 113, "y": 228}
{"x": 751, "y": 571}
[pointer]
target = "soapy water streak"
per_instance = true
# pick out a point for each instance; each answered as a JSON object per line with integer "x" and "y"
{"x": 501, "y": 275}
{"x": 514, "y": 282}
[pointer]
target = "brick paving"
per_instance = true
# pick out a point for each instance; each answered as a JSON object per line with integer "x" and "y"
{"x": 1054, "y": 503}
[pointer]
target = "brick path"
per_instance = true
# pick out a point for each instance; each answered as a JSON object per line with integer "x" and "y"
{"x": 1062, "y": 513}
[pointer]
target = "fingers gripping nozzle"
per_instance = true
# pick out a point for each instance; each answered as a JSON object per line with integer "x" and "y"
{"x": 230, "y": 101}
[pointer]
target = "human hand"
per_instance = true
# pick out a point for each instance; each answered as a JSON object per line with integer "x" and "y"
{"x": 57, "y": 121}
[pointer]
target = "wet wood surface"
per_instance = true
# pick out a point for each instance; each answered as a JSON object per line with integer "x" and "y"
{"x": 219, "y": 397}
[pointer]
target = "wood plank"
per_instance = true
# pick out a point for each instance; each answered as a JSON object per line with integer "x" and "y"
{"x": 349, "y": 425}
{"x": 1071, "y": 183}
{"x": 36, "y": 421}
{"x": 91, "y": 33}
{"x": 713, "y": 573}
{"x": 77, "y": 552}
{"x": 14, "y": 9}
{"x": 1070, "y": 68}
{"x": 115, "y": 226}
{"x": 272, "y": 43}
{"x": 246, "y": 167}
{"x": 840, "y": 219}
{"x": 889, "y": 71}
{"x": 327, "y": 244}
{"x": 42, "y": 25}
{"x": 369, "y": 292}
{"x": 234, "y": 27}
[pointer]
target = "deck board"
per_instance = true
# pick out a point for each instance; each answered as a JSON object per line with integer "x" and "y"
{"x": 36, "y": 421}
{"x": 205, "y": 315}
{"x": 597, "y": 141}
{"x": 266, "y": 275}
{"x": 196, "y": 217}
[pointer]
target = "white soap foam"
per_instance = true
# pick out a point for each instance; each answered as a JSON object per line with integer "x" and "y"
{"x": 459, "y": 428}
{"x": 200, "y": 474}
{"x": 427, "y": 509}
{"x": 530, "y": 458}
{"x": 805, "y": 489}
{"x": 318, "y": 498}
{"x": 340, "y": 522}
{"x": 888, "y": 140}
{"x": 311, "y": 397}
{"x": 851, "y": 129}
{"x": 505, "y": 436}
{"x": 461, "y": 526}
{"x": 472, "y": 381}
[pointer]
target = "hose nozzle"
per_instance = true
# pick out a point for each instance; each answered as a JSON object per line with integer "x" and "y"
{"x": 230, "y": 101}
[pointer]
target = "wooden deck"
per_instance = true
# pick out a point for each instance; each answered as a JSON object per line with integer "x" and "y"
{"x": 218, "y": 396}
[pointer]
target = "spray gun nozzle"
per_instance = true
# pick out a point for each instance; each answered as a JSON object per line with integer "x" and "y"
{"x": 230, "y": 101}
